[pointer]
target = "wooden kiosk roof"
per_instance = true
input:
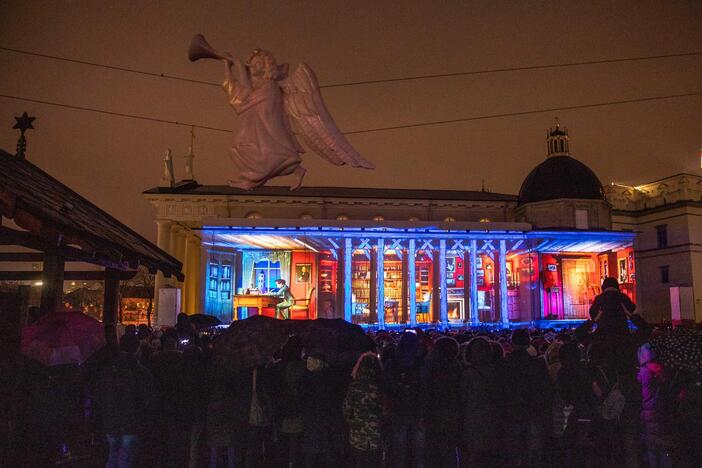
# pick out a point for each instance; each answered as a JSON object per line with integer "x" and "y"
{"x": 57, "y": 219}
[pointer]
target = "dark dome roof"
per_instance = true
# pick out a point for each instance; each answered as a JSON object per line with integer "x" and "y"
{"x": 560, "y": 177}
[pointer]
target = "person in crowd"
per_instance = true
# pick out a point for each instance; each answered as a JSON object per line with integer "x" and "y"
{"x": 168, "y": 369}
{"x": 607, "y": 387}
{"x": 322, "y": 396}
{"x": 259, "y": 397}
{"x": 613, "y": 360}
{"x": 574, "y": 411}
{"x": 404, "y": 382}
{"x": 687, "y": 418}
{"x": 363, "y": 412}
{"x": 130, "y": 331}
{"x": 146, "y": 349}
{"x": 227, "y": 416}
{"x": 124, "y": 395}
{"x": 478, "y": 392}
{"x": 288, "y": 375}
{"x": 187, "y": 332}
{"x": 443, "y": 403}
{"x": 611, "y": 310}
{"x": 47, "y": 416}
{"x": 553, "y": 359}
{"x": 657, "y": 409}
{"x": 526, "y": 402}
{"x": 195, "y": 394}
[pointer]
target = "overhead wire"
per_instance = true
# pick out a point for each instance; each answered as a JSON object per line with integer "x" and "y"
{"x": 113, "y": 113}
{"x": 365, "y": 82}
{"x": 369, "y": 130}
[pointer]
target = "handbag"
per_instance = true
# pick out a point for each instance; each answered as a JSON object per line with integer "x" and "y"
{"x": 612, "y": 406}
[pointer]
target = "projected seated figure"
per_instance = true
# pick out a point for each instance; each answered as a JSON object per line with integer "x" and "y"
{"x": 282, "y": 309}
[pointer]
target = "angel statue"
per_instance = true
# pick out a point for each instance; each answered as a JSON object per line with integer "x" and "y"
{"x": 273, "y": 107}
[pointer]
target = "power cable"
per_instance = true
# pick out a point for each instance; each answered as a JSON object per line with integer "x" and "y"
{"x": 109, "y": 67}
{"x": 366, "y": 82}
{"x": 511, "y": 69}
{"x": 118, "y": 114}
{"x": 529, "y": 112}
{"x": 370, "y": 130}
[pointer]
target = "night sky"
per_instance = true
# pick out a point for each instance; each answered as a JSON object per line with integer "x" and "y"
{"x": 111, "y": 160}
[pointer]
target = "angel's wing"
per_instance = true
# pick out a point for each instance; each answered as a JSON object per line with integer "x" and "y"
{"x": 303, "y": 103}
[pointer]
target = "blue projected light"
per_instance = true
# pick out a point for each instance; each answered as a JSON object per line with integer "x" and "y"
{"x": 445, "y": 247}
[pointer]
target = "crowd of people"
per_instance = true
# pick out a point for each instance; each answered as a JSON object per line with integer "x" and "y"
{"x": 592, "y": 396}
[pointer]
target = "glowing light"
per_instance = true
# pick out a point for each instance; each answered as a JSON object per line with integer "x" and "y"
{"x": 38, "y": 283}
{"x": 307, "y": 246}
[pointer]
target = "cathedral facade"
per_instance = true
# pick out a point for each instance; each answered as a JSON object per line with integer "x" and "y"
{"x": 395, "y": 257}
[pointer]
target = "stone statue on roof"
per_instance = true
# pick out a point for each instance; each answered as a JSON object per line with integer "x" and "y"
{"x": 271, "y": 103}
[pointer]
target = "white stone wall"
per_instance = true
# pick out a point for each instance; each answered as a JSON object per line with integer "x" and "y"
{"x": 682, "y": 256}
{"x": 194, "y": 208}
{"x": 561, "y": 213}
{"x": 680, "y": 187}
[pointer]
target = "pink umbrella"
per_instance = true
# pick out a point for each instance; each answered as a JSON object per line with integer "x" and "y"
{"x": 63, "y": 338}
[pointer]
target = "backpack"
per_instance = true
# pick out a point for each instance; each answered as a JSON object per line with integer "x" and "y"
{"x": 613, "y": 405}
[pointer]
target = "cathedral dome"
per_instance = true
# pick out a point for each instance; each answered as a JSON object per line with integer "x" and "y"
{"x": 560, "y": 176}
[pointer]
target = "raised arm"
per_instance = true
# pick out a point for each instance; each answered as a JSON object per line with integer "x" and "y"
{"x": 236, "y": 84}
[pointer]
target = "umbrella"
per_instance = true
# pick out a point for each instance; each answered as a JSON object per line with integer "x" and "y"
{"x": 337, "y": 340}
{"x": 680, "y": 349}
{"x": 250, "y": 342}
{"x": 204, "y": 320}
{"x": 63, "y": 338}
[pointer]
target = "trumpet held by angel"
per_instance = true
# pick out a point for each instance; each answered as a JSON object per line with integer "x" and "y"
{"x": 275, "y": 106}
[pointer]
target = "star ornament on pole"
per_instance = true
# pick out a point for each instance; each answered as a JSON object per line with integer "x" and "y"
{"x": 24, "y": 123}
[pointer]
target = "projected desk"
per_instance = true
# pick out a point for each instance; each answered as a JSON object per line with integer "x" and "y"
{"x": 254, "y": 301}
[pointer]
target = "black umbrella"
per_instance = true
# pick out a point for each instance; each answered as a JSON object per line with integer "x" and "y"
{"x": 250, "y": 342}
{"x": 337, "y": 340}
{"x": 204, "y": 320}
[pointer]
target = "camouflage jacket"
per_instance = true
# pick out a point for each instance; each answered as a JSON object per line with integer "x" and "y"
{"x": 363, "y": 413}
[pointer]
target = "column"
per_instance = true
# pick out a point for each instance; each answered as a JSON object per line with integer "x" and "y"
{"x": 52, "y": 283}
{"x": 173, "y": 242}
{"x": 348, "y": 253}
{"x": 504, "y": 300}
{"x": 163, "y": 234}
{"x": 380, "y": 282}
{"x": 177, "y": 248}
{"x": 435, "y": 314}
{"x": 339, "y": 297}
{"x": 193, "y": 280}
{"x": 443, "y": 307}
{"x": 403, "y": 312}
{"x": 110, "y": 305}
{"x": 474, "y": 318}
{"x": 183, "y": 234}
{"x": 202, "y": 288}
{"x": 184, "y": 285}
{"x": 412, "y": 279}
{"x": 163, "y": 240}
{"x": 466, "y": 286}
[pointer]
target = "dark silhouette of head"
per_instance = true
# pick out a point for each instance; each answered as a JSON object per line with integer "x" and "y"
{"x": 610, "y": 282}
{"x": 521, "y": 338}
